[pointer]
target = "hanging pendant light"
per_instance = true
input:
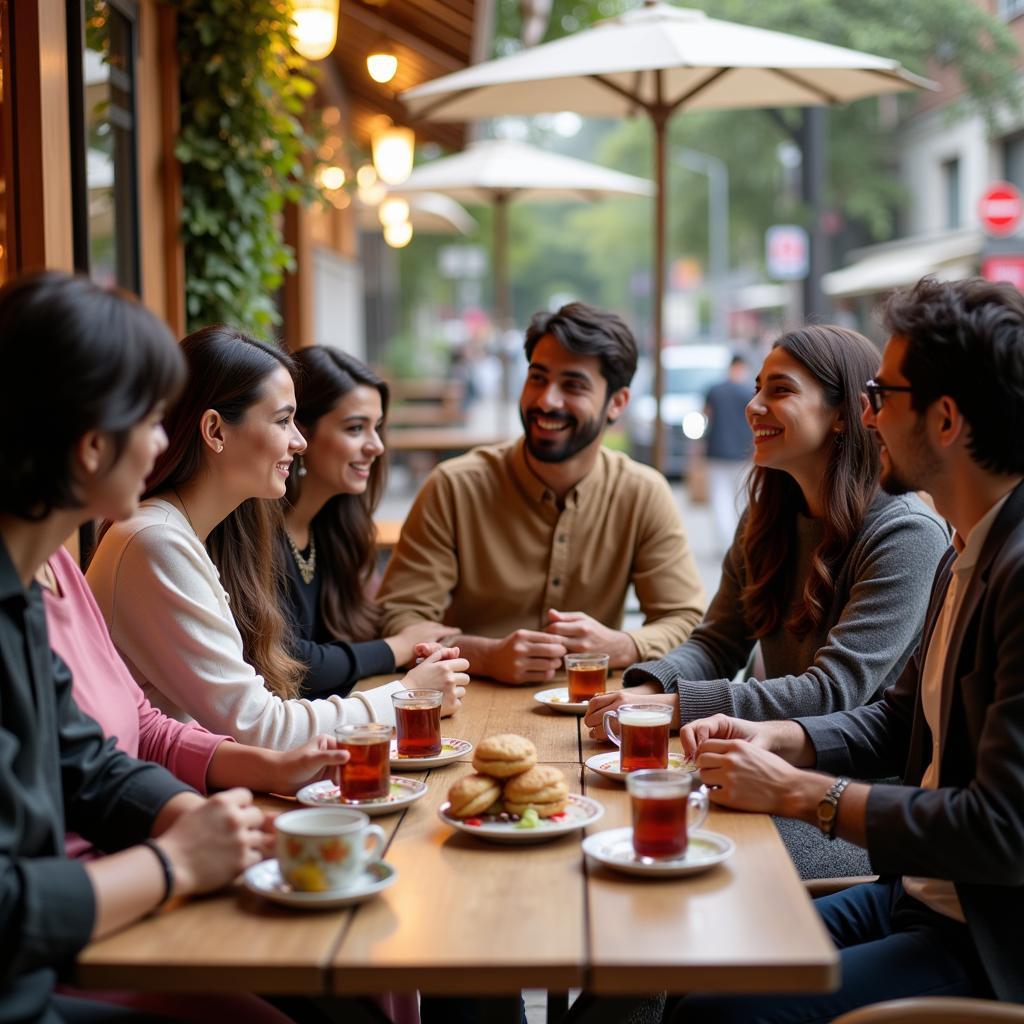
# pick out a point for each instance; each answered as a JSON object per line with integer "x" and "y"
{"x": 394, "y": 210}
{"x": 382, "y": 63}
{"x": 393, "y": 154}
{"x": 314, "y": 28}
{"x": 398, "y": 236}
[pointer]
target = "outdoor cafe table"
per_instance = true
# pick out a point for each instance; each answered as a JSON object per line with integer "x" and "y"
{"x": 467, "y": 916}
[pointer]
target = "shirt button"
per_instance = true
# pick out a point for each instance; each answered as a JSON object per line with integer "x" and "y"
{"x": 561, "y": 538}
{"x": 556, "y": 582}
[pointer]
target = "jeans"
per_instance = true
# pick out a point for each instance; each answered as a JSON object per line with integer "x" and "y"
{"x": 891, "y": 947}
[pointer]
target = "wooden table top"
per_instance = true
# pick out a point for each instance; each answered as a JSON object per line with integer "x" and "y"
{"x": 470, "y": 916}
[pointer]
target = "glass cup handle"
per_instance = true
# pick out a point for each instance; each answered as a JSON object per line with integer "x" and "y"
{"x": 697, "y": 809}
{"x": 374, "y": 838}
{"x": 608, "y": 717}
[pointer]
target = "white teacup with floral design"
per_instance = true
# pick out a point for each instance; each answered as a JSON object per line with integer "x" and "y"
{"x": 325, "y": 849}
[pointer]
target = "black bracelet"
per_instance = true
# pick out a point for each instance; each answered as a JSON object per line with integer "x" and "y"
{"x": 166, "y": 867}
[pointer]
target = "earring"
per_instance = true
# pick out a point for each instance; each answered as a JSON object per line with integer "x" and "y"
{"x": 300, "y": 466}
{"x": 220, "y": 448}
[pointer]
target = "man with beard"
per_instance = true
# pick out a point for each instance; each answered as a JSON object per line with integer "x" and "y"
{"x": 947, "y": 915}
{"x": 529, "y": 547}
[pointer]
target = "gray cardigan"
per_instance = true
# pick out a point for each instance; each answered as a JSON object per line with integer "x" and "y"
{"x": 868, "y": 633}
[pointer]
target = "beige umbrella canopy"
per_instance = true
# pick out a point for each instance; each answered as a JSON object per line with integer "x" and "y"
{"x": 497, "y": 171}
{"x": 657, "y": 60}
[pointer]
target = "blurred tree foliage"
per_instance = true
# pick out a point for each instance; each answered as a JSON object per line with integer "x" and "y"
{"x": 242, "y": 148}
{"x": 600, "y": 252}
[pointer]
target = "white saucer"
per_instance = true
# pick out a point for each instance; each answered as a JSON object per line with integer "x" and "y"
{"x": 558, "y": 700}
{"x": 607, "y": 764}
{"x": 326, "y": 794}
{"x": 265, "y": 880}
{"x": 614, "y": 849}
{"x": 580, "y": 812}
{"x": 451, "y": 750}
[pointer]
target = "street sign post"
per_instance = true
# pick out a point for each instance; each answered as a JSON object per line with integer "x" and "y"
{"x": 786, "y": 252}
{"x": 1000, "y": 209}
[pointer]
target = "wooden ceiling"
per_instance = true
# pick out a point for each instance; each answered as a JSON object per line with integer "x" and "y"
{"x": 429, "y": 37}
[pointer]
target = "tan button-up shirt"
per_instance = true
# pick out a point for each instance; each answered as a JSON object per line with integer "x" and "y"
{"x": 486, "y": 548}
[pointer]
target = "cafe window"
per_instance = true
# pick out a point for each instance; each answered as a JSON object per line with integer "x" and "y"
{"x": 951, "y": 188}
{"x": 6, "y": 146}
{"x": 1013, "y": 159}
{"x": 102, "y": 38}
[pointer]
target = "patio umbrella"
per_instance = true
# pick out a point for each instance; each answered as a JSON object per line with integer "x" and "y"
{"x": 498, "y": 171}
{"x": 657, "y": 60}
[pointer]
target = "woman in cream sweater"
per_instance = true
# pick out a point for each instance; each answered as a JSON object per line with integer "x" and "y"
{"x": 189, "y": 584}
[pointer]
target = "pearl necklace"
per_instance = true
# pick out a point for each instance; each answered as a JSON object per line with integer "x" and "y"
{"x": 306, "y": 566}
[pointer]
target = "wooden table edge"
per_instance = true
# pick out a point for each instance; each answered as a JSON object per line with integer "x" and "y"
{"x": 812, "y": 977}
{"x": 274, "y": 980}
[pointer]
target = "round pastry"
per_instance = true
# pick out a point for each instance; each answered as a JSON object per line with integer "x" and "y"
{"x": 543, "y": 788}
{"x": 473, "y": 795}
{"x": 505, "y": 755}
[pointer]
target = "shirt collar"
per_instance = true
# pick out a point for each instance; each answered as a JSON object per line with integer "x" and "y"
{"x": 10, "y": 581}
{"x": 971, "y": 549}
{"x": 538, "y": 491}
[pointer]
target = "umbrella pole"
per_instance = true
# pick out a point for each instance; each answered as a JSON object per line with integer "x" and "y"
{"x": 502, "y": 297}
{"x": 659, "y": 119}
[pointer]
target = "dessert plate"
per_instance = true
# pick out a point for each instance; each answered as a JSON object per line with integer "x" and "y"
{"x": 579, "y": 812}
{"x": 451, "y": 750}
{"x": 614, "y": 849}
{"x": 264, "y": 879}
{"x": 608, "y": 764}
{"x": 326, "y": 794}
{"x": 558, "y": 700}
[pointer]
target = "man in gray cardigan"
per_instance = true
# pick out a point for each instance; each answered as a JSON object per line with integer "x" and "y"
{"x": 947, "y": 916}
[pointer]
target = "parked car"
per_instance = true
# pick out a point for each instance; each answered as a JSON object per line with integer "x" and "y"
{"x": 688, "y": 372}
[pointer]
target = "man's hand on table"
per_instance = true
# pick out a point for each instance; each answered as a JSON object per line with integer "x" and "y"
{"x": 645, "y": 693}
{"x": 751, "y": 766}
{"x": 525, "y": 656}
{"x": 581, "y": 634}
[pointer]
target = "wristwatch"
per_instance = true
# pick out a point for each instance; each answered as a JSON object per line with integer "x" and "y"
{"x": 828, "y": 807}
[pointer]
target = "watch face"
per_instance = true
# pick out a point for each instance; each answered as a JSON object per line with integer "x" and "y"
{"x": 826, "y": 811}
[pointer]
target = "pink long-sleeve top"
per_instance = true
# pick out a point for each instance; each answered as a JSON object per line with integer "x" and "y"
{"x": 104, "y": 688}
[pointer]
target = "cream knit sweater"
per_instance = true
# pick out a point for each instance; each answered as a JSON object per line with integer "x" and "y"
{"x": 170, "y": 618}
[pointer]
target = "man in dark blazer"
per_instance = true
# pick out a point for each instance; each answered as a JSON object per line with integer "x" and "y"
{"x": 947, "y": 915}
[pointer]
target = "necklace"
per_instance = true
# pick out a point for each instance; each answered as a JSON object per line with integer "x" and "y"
{"x": 184, "y": 508}
{"x": 306, "y": 566}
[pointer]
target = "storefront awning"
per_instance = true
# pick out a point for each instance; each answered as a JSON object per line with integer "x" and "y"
{"x": 881, "y": 268}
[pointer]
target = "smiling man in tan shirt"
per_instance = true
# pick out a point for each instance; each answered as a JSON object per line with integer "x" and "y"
{"x": 529, "y": 547}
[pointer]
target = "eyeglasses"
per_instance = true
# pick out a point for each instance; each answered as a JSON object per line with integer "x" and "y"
{"x": 876, "y": 391}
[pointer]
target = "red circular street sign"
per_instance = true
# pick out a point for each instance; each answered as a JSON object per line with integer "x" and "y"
{"x": 1000, "y": 208}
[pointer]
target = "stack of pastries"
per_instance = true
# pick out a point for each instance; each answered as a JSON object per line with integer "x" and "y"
{"x": 508, "y": 779}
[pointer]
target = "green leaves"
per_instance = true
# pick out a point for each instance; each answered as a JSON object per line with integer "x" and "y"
{"x": 242, "y": 150}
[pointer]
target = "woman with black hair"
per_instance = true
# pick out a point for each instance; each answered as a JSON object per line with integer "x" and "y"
{"x": 329, "y": 537}
{"x": 110, "y": 367}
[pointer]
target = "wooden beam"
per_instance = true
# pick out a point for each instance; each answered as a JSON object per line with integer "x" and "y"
{"x": 41, "y": 128}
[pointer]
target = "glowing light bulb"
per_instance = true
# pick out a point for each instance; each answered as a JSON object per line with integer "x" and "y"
{"x": 398, "y": 236}
{"x": 382, "y": 65}
{"x": 314, "y": 27}
{"x": 393, "y": 210}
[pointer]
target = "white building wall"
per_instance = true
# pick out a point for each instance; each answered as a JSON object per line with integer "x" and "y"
{"x": 338, "y": 303}
{"x": 926, "y": 145}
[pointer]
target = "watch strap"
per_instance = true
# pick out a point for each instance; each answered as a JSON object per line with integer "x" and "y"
{"x": 828, "y": 807}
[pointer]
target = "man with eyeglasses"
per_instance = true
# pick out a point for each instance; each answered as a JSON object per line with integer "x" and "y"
{"x": 947, "y": 915}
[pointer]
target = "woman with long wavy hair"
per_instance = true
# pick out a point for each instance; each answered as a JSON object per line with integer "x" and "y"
{"x": 823, "y": 592}
{"x": 329, "y": 537}
{"x": 190, "y": 584}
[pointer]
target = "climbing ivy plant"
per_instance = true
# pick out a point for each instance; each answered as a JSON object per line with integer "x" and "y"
{"x": 244, "y": 151}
